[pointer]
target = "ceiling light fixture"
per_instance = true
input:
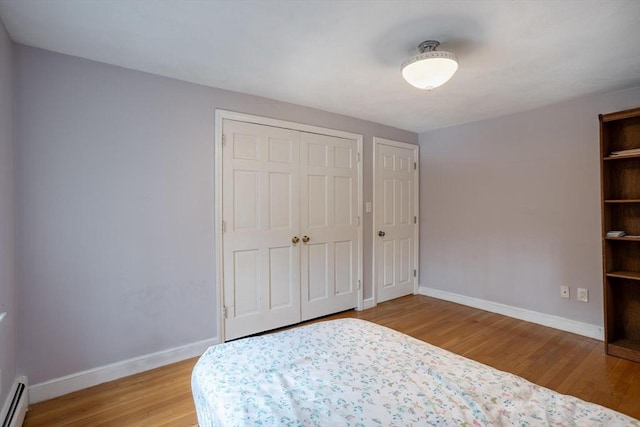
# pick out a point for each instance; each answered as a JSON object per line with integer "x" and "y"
{"x": 430, "y": 68}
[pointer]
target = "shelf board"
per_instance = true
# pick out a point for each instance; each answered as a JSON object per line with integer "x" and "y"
{"x": 622, "y": 157}
{"x": 633, "y": 275}
{"x": 625, "y": 348}
{"x": 626, "y": 239}
{"x": 623, "y": 201}
{"x": 620, "y": 115}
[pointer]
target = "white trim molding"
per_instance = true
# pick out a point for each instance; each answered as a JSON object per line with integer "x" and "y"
{"x": 91, "y": 377}
{"x": 557, "y": 322}
{"x": 369, "y": 303}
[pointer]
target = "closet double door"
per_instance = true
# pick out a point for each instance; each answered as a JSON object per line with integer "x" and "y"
{"x": 290, "y": 226}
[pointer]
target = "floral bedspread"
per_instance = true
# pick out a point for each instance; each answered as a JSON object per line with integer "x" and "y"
{"x": 350, "y": 372}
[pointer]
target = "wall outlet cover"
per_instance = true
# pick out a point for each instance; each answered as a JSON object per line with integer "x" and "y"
{"x": 583, "y": 295}
{"x": 564, "y": 292}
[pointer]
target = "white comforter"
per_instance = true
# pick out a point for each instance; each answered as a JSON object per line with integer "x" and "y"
{"x": 354, "y": 373}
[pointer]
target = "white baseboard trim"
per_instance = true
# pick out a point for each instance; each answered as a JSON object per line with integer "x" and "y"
{"x": 77, "y": 381}
{"x": 557, "y": 322}
{"x": 18, "y": 408}
{"x": 368, "y": 303}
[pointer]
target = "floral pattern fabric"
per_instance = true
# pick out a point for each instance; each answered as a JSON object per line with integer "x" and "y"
{"x": 350, "y": 372}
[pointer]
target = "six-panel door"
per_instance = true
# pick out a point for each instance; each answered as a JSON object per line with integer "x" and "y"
{"x": 395, "y": 221}
{"x": 261, "y": 216}
{"x": 329, "y": 215}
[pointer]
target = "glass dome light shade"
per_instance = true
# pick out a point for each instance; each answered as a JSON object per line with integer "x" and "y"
{"x": 429, "y": 70}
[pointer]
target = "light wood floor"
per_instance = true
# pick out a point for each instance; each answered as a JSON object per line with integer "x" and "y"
{"x": 567, "y": 363}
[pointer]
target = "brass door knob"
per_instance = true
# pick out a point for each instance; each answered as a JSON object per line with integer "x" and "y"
{"x": 381, "y": 233}
{"x": 305, "y": 239}
{"x": 295, "y": 239}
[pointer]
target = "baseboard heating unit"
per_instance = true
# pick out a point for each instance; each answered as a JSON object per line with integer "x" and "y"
{"x": 16, "y": 405}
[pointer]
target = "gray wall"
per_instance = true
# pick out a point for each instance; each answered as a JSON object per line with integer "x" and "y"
{"x": 115, "y": 169}
{"x": 8, "y": 287}
{"x": 510, "y": 207}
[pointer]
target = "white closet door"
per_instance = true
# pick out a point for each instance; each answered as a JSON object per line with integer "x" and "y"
{"x": 261, "y": 216}
{"x": 395, "y": 224}
{"x": 329, "y": 197}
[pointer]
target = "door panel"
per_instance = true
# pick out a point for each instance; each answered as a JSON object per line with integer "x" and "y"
{"x": 388, "y": 263}
{"x": 246, "y": 268}
{"x": 280, "y": 266}
{"x": 404, "y": 200}
{"x": 343, "y": 157}
{"x": 319, "y": 203}
{"x": 280, "y": 150}
{"x": 343, "y": 262}
{"x": 317, "y": 278}
{"x": 395, "y": 213}
{"x": 317, "y": 154}
{"x": 280, "y": 201}
{"x": 329, "y": 218}
{"x": 246, "y": 192}
{"x": 261, "y": 266}
{"x": 404, "y": 261}
{"x": 388, "y": 198}
{"x": 343, "y": 195}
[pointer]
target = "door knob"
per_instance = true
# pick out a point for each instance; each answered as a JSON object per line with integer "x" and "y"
{"x": 295, "y": 239}
{"x": 381, "y": 233}
{"x": 305, "y": 239}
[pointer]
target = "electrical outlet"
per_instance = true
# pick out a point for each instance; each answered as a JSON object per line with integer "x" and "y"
{"x": 583, "y": 295}
{"x": 564, "y": 292}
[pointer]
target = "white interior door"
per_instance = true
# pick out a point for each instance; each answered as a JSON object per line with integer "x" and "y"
{"x": 260, "y": 215}
{"x": 329, "y": 224}
{"x": 395, "y": 219}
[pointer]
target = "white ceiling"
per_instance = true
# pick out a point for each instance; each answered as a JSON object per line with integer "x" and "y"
{"x": 345, "y": 56}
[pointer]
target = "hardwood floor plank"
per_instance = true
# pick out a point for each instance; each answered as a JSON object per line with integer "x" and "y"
{"x": 561, "y": 361}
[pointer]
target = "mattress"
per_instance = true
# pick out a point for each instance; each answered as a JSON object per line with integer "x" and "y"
{"x": 350, "y": 372}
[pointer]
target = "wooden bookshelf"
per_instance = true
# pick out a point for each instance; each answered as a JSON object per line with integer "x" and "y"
{"x": 620, "y": 186}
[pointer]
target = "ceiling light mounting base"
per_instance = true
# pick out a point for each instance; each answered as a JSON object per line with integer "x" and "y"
{"x": 428, "y": 46}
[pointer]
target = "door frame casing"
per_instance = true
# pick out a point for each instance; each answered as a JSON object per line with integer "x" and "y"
{"x": 221, "y": 115}
{"x": 416, "y": 199}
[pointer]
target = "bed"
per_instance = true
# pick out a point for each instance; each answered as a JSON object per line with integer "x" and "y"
{"x": 350, "y": 372}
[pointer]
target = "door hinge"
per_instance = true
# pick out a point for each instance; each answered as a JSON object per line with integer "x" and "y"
{"x": 224, "y": 140}
{"x": 415, "y": 166}
{"x": 415, "y": 273}
{"x": 415, "y": 219}
{"x": 359, "y": 285}
{"x": 225, "y": 312}
{"x": 358, "y": 221}
{"x": 224, "y": 227}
